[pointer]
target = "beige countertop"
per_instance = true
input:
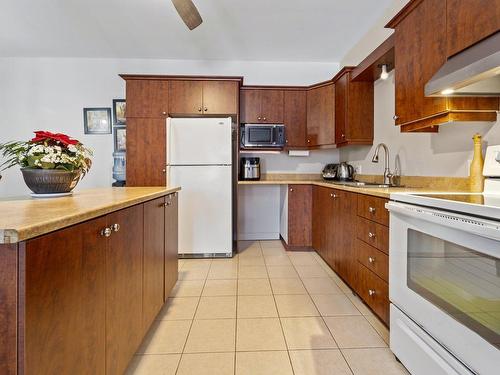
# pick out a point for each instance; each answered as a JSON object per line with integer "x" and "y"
{"x": 446, "y": 184}
{"x": 22, "y": 218}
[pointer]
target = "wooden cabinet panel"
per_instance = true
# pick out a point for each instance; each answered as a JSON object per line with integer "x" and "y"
{"x": 469, "y": 21}
{"x": 186, "y": 97}
{"x": 299, "y": 216}
{"x": 154, "y": 257}
{"x": 220, "y": 97}
{"x": 295, "y": 118}
{"x": 147, "y": 98}
{"x": 373, "y": 259}
{"x": 250, "y": 106}
{"x": 374, "y": 291}
{"x": 272, "y": 102}
{"x": 353, "y": 111}
{"x": 373, "y": 233}
{"x": 63, "y": 291}
{"x": 321, "y": 214}
{"x": 8, "y": 308}
{"x": 124, "y": 323}
{"x": 320, "y": 116}
{"x": 373, "y": 208}
{"x": 420, "y": 50}
{"x": 171, "y": 242}
{"x": 146, "y": 152}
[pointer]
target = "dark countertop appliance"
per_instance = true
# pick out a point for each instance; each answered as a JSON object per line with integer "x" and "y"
{"x": 250, "y": 168}
{"x": 262, "y": 136}
{"x": 338, "y": 172}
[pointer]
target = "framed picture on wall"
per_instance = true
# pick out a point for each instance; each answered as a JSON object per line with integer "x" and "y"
{"x": 120, "y": 135}
{"x": 97, "y": 120}
{"x": 119, "y": 106}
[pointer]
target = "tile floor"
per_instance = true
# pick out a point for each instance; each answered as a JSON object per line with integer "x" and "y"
{"x": 263, "y": 312}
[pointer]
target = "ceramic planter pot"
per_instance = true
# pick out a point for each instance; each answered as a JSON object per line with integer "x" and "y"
{"x": 50, "y": 181}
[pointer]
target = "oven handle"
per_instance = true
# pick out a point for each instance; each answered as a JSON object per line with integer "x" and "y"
{"x": 469, "y": 224}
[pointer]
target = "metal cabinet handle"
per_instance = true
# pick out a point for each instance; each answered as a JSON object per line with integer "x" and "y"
{"x": 395, "y": 117}
{"x": 343, "y": 135}
{"x": 166, "y": 204}
{"x": 259, "y": 118}
{"x": 206, "y": 109}
{"x": 115, "y": 227}
{"x": 199, "y": 109}
{"x": 371, "y": 235}
{"x": 286, "y": 141}
{"x": 106, "y": 232}
{"x": 372, "y": 210}
{"x": 264, "y": 119}
{"x": 164, "y": 170}
{"x": 371, "y": 260}
{"x": 371, "y": 292}
{"x": 164, "y": 113}
{"x": 291, "y": 189}
{"x": 333, "y": 195}
{"x": 308, "y": 141}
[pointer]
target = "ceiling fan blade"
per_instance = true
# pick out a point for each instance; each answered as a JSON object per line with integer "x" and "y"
{"x": 188, "y": 12}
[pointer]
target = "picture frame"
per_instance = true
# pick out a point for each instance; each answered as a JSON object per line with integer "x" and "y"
{"x": 97, "y": 120}
{"x": 119, "y": 106}
{"x": 120, "y": 138}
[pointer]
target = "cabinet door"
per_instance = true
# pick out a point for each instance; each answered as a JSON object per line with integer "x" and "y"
{"x": 250, "y": 109}
{"x": 146, "y": 152}
{"x": 186, "y": 97}
{"x": 346, "y": 236}
{"x": 220, "y": 97}
{"x": 171, "y": 242}
{"x": 420, "y": 50}
{"x": 320, "y": 116}
{"x": 341, "y": 97}
{"x": 154, "y": 253}
{"x": 63, "y": 326}
{"x": 272, "y": 102}
{"x": 322, "y": 228}
{"x": 469, "y": 21}
{"x": 124, "y": 322}
{"x": 295, "y": 118}
{"x": 299, "y": 215}
{"x": 147, "y": 98}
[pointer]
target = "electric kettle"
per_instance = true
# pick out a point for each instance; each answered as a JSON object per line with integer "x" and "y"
{"x": 345, "y": 172}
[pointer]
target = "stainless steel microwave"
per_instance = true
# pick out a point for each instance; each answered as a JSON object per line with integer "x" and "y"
{"x": 262, "y": 135}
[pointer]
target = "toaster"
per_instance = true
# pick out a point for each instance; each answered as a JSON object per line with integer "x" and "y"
{"x": 330, "y": 172}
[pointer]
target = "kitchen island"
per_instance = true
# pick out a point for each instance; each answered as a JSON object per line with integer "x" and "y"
{"x": 83, "y": 277}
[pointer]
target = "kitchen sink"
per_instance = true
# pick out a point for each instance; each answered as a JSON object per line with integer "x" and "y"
{"x": 361, "y": 184}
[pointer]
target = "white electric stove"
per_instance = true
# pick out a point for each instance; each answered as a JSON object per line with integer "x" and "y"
{"x": 444, "y": 279}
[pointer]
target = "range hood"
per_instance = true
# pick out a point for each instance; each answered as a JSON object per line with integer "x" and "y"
{"x": 473, "y": 72}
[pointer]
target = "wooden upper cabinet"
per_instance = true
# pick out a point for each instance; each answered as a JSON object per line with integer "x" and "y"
{"x": 469, "y": 21}
{"x": 321, "y": 116}
{"x": 146, "y": 152}
{"x": 147, "y": 98}
{"x": 220, "y": 97}
{"x": 186, "y": 97}
{"x": 353, "y": 110}
{"x": 63, "y": 281}
{"x": 260, "y": 106}
{"x": 295, "y": 118}
{"x": 420, "y": 50}
{"x": 124, "y": 272}
{"x": 300, "y": 216}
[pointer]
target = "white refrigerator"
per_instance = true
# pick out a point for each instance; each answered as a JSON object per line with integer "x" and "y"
{"x": 199, "y": 160}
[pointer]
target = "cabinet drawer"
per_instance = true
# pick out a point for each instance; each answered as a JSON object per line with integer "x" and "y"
{"x": 373, "y": 259}
{"x": 373, "y": 234}
{"x": 374, "y": 291}
{"x": 373, "y": 208}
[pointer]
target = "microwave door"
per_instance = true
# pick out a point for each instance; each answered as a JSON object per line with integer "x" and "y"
{"x": 258, "y": 136}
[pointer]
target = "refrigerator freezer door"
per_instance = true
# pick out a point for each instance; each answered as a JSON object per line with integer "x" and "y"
{"x": 205, "y": 208}
{"x": 199, "y": 141}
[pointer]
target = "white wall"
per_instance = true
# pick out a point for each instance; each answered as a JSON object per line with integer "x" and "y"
{"x": 49, "y": 94}
{"x": 446, "y": 153}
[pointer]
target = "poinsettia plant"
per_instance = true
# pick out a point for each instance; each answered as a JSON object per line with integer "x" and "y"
{"x": 47, "y": 151}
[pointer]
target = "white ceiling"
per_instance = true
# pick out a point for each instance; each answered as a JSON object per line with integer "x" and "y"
{"x": 266, "y": 30}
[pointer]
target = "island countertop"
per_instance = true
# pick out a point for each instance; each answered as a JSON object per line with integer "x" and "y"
{"x": 22, "y": 218}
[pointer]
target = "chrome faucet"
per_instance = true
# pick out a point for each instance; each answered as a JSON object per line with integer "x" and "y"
{"x": 387, "y": 171}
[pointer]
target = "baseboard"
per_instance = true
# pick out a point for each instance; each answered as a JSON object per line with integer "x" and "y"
{"x": 295, "y": 248}
{"x": 258, "y": 236}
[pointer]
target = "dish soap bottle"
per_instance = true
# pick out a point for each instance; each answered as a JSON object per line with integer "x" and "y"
{"x": 476, "y": 178}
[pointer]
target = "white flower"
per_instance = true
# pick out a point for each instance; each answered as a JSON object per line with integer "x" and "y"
{"x": 72, "y": 148}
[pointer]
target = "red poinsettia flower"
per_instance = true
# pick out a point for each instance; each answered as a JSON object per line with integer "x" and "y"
{"x": 63, "y": 138}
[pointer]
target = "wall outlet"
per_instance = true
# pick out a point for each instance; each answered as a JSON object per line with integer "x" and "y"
{"x": 357, "y": 169}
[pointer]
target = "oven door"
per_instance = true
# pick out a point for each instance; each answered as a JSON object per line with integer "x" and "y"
{"x": 445, "y": 276}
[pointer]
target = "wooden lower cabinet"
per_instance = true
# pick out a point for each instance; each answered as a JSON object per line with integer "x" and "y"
{"x": 63, "y": 301}
{"x": 171, "y": 242}
{"x": 79, "y": 300}
{"x": 299, "y": 216}
{"x": 338, "y": 235}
